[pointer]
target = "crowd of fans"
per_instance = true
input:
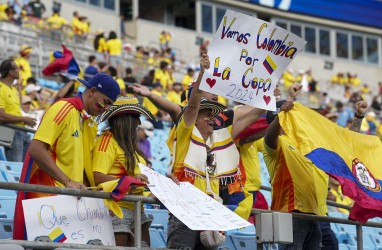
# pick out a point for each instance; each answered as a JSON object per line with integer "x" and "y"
{"x": 195, "y": 115}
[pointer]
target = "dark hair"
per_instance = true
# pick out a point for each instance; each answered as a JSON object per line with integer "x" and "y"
{"x": 91, "y": 58}
{"x": 101, "y": 65}
{"x": 96, "y": 41}
{"x": 129, "y": 71}
{"x": 5, "y": 67}
{"x": 163, "y": 64}
{"x": 112, "y": 35}
{"x": 113, "y": 71}
{"x": 32, "y": 80}
{"x": 123, "y": 128}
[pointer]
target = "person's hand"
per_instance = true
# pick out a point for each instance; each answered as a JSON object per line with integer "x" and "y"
{"x": 294, "y": 90}
{"x": 360, "y": 108}
{"x": 29, "y": 121}
{"x": 286, "y": 106}
{"x": 204, "y": 62}
{"x": 140, "y": 89}
{"x": 173, "y": 178}
{"x": 142, "y": 178}
{"x": 75, "y": 184}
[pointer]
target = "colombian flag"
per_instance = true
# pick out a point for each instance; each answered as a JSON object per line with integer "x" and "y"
{"x": 57, "y": 235}
{"x": 118, "y": 189}
{"x": 354, "y": 159}
{"x": 269, "y": 65}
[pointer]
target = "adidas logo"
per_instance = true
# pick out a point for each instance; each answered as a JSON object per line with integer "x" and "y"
{"x": 75, "y": 134}
{"x": 99, "y": 85}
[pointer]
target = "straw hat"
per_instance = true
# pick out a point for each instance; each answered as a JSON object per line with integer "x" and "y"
{"x": 215, "y": 107}
{"x": 126, "y": 105}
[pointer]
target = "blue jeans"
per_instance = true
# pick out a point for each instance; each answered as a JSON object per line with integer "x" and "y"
{"x": 329, "y": 239}
{"x": 19, "y": 147}
{"x": 306, "y": 235}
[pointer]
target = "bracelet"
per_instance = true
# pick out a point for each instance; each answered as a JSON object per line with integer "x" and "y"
{"x": 67, "y": 181}
{"x": 359, "y": 116}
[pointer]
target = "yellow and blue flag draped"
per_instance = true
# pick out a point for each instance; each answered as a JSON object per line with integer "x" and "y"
{"x": 354, "y": 159}
{"x": 118, "y": 189}
{"x": 242, "y": 205}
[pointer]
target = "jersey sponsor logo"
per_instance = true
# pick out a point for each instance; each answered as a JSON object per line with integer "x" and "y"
{"x": 76, "y": 134}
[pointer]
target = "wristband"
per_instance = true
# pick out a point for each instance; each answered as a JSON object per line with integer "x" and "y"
{"x": 359, "y": 116}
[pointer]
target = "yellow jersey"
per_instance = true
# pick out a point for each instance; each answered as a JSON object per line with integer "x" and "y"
{"x": 114, "y": 46}
{"x": 10, "y": 100}
{"x": 110, "y": 159}
{"x": 56, "y": 22}
{"x": 295, "y": 181}
{"x": 102, "y": 45}
{"x": 187, "y": 79}
{"x": 25, "y": 69}
{"x": 70, "y": 139}
{"x": 149, "y": 105}
{"x": 174, "y": 97}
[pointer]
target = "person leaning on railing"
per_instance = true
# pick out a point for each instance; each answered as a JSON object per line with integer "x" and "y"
{"x": 117, "y": 154}
{"x": 10, "y": 110}
{"x": 60, "y": 152}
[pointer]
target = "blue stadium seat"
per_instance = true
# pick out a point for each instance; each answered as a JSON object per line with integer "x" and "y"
{"x": 377, "y": 240}
{"x": 156, "y": 240}
{"x": 7, "y": 205}
{"x": 2, "y": 154}
{"x": 244, "y": 241}
{"x": 227, "y": 244}
{"x": 342, "y": 247}
{"x": 338, "y": 215}
{"x": 346, "y": 239}
{"x": 13, "y": 166}
{"x": 346, "y": 228}
{"x": 367, "y": 241}
{"x": 6, "y": 228}
{"x": 160, "y": 217}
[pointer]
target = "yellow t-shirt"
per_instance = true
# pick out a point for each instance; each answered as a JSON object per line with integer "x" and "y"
{"x": 289, "y": 79}
{"x": 163, "y": 77}
{"x": 71, "y": 140}
{"x": 250, "y": 161}
{"x": 294, "y": 180}
{"x": 10, "y": 101}
{"x": 121, "y": 83}
{"x": 174, "y": 97}
{"x": 56, "y": 22}
{"x": 149, "y": 105}
{"x": 110, "y": 159}
{"x": 25, "y": 69}
{"x": 114, "y": 46}
{"x": 341, "y": 199}
{"x": 187, "y": 79}
{"x": 102, "y": 45}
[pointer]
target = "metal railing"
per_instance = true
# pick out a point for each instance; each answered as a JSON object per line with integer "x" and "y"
{"x": 138, "y": 200}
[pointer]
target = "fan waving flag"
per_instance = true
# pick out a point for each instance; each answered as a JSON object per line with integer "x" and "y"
{"x": 354, "y": 159}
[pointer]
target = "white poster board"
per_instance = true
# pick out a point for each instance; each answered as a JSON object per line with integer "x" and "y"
{"x": 68, "y": 219}
{"x": 248, "y": 57}
{"x": 195, "y": 209}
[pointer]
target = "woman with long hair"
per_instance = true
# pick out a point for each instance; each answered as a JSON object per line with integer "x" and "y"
{"x": 116, "y": 154}
{"x": 100, "y": 42}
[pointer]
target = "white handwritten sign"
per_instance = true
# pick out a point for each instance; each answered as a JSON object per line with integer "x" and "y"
{"x": 248, "y": 57}
{"x": 68, "y": 219}
{"x": 194, "y": 208}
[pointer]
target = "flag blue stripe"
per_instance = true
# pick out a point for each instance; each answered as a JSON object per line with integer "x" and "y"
{"x": 333, "y": 164}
